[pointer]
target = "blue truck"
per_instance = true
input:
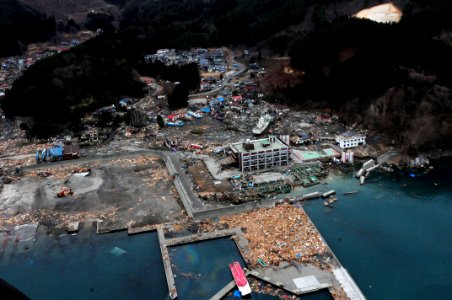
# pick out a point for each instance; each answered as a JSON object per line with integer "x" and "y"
{"x": 49, "y": 154}
{"x": 57, "y": 153}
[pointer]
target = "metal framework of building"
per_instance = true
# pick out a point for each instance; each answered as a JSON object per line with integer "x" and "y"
{"x": 261, "y": 154}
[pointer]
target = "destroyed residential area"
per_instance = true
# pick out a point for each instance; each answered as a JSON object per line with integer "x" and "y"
{"x": 231, "y": 160}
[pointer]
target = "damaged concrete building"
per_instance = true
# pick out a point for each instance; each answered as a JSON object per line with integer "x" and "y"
{"x": 350, "y": 140}
{"x": 254, "y": 155}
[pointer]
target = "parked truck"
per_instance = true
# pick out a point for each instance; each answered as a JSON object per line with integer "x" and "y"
{"x": 49, "y": 154}
{"x": 58, "y": 152}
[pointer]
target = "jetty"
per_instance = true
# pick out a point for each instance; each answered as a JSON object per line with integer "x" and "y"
{"x": 294, "y": 277}
{"x": 224, "y": 291}
{"x": 167, "y": 264}
{"x": 240, "y": 240}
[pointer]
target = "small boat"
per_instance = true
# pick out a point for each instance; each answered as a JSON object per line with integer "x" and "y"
{"x": 362, "y": 179}
{"x": 326, "y": 203}
{"x": 349, "y": 193}
{"x": 194, "y": 114}
{"x": 262, "y": 124}
{"x": 328, "y": 194}
{"x": 331, "y": 199}
{"x": 240, "y": 278}
{"x": 175, "y": 124}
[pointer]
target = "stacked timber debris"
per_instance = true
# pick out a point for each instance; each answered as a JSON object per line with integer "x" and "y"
{"x": 282, "y": 233}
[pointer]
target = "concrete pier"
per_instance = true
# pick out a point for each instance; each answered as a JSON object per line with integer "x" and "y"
{"x": 136, "y": 230}
{"x": 167, "y": 264}
{"x": 185, "y": 195}
{"x": 348, "y": 284}
{"x": 236, "y": 233}
{"x": 297, "y": 280}
{"x": 221, "y": 293}
{"x": 199, "y": 237}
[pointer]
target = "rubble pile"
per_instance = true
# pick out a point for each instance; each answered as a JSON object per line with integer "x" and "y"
{"x": 266, "y": 288}
{"x": 57, "y": 173}
{"x": 14, "y": 162}
{"x": 338, "y": 293}
{"x": 240, "y": 122}
{"x": 56, "y": 219}
{"x": 65, "y": 191}
{"x": 282, "y": 233}
{"x": 153, "y": 176}
{"x": 128, "y": 162}
{"x": 64, "y": 172}
{"x": 31, "y": 149}
{"x": 129, "y": 132}
{"x": 7, "y": 179}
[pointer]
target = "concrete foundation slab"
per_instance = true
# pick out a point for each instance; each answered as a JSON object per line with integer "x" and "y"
{"x": 72, "y": 227}
{"x": 296, "y": 278}
{"x": 307, "y": 283}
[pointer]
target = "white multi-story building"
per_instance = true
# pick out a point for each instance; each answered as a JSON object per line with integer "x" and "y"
{"x": 350, "y": 140}
{"x": 261, "y": 154}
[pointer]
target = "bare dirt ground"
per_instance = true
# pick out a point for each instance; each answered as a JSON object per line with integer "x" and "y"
{"x": 128, "y": 191}
{"x": 205, "y": 181}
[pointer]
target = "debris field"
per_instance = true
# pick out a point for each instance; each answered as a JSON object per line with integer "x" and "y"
{"x": 282, "y": 233}
{"x": 122, "y": 192}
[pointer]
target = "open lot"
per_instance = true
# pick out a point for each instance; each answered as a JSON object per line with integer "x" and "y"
{"x": 133, "y": 191}
{"x": 205, "y": 181}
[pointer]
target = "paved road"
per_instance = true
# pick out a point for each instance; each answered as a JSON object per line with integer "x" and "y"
{"x": 182, "y": 182}
{"x": 17, "y": 157}
{"x": 226, "y": 81}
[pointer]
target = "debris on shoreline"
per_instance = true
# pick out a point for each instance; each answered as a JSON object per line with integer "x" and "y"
{"x": 282, "y": 233}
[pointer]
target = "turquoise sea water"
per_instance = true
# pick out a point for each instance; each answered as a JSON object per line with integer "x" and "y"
{"x": 394, "y": 235}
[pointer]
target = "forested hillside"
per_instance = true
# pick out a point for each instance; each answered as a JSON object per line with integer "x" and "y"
{"x": 395, "y": 78}
{"x": 102, "y": 70}
{"x": 20, "y": 25}
{"x": 391, "y": 77}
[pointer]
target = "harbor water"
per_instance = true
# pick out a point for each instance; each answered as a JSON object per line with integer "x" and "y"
{"x": 394, "y": 234}
{"x": 84, "y": 267}
{"x": 202, "y": 269}
{"x": 90, "y": 266}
